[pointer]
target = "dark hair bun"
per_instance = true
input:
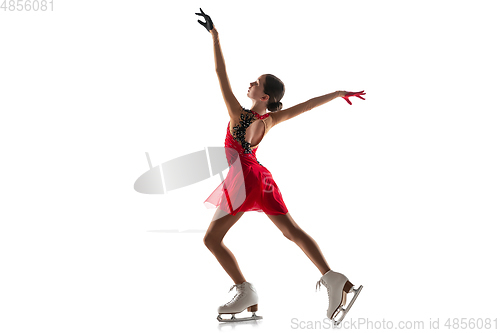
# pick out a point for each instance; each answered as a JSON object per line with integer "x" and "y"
{"x": 276, "y": 106}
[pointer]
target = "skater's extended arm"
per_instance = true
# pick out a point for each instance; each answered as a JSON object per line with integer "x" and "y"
{"x": 281, "y": 116}
{"x": 289, "y": 113}
{"x": 232, "y": 104}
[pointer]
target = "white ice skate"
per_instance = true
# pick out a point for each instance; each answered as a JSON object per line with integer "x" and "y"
{"x": 338, "y": 286}
{"x": 245, "y": 298}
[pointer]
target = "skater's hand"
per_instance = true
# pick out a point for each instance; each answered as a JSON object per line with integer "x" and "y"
{"x": 346, "y": 94}
{"x": 209, "y": 25}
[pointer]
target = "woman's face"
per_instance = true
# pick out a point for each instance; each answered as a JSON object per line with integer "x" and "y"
{"x": 256, "y": 89}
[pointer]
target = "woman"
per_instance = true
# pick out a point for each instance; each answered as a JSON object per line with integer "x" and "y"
{"x": 249, "y": 185}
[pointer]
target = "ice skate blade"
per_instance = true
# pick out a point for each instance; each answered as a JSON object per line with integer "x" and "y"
{"x": 235, "y": 320}
{"x": 344, "y": 311}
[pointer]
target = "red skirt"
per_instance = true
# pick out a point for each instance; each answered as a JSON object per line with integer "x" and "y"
{"x": 248, "y": 186}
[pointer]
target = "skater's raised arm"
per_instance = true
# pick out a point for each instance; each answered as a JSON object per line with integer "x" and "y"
{"x": 232, "y": 104}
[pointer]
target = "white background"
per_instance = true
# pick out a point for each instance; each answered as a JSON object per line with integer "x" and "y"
{"x": 400, "y": 191}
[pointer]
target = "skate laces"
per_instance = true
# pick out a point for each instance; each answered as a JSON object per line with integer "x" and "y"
{"x": 239, "y": 293}
{"x": 318, "y": 285}
{"x": 238, "y": 287}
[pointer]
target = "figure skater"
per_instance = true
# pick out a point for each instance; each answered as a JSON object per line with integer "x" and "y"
{"x": 251, "y": 186}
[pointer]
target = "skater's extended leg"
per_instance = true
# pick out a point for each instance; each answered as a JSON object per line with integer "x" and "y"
{"x": 293, "y": 232}
{"x": 216, "y": 231}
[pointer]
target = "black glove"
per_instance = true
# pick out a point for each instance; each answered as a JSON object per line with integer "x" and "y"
{"x": 209, "y": 25}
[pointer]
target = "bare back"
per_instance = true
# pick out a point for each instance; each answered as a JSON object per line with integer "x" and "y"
{"x": 257, "y": 129}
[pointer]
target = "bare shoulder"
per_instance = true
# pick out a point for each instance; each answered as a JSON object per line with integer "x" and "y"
{"x": 235, "y": 117}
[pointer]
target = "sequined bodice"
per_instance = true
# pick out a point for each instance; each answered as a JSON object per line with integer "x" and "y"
{"x": 238, "y": 142}
{"x": 247, "y": 117}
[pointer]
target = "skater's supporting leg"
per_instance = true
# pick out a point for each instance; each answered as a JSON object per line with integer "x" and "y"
{"x": 213, "y": 240}
{"x": 293, "y": 232}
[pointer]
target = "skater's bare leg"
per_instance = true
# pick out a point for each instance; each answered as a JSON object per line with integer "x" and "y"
{"x": 293, "y": 232}
{"x": 216, "y": 231}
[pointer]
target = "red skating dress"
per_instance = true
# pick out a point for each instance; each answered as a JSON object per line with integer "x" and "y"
{"x": 248, "y": 186}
